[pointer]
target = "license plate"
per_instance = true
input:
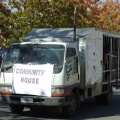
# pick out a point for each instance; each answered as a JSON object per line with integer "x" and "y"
{"x": 27, "y": 100}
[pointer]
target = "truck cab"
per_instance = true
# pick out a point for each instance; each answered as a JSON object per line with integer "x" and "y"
{"x": 63, "y": 56}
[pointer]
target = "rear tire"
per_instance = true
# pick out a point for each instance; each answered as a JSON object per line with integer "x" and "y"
{"x": 16, "y": 108}
{"x": 70, "y": 110}
{"x": 104, "y": 99}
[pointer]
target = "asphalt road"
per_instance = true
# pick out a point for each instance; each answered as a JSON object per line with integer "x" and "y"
{"x": 88, "y": 111}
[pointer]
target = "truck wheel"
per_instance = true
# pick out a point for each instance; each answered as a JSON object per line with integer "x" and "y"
{"x": 16, "y": 108}
{"x": 98, "y": 99}
{"x": 107, "y": 97}
{"x": 70, "y": 110}
{"x": 104, "y": 99}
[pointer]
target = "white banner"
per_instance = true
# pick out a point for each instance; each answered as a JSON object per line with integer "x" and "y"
{"x": 32, "y": 79}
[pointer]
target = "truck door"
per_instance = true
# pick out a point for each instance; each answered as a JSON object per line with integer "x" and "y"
{"x": 71, "y": 66}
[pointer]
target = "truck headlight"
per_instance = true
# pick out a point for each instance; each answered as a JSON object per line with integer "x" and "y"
{"x": 5, "y": 90}
{"x": 58, "y": 91}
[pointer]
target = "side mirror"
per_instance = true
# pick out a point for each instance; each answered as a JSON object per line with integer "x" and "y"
{"x": 76, "y": 64}
{"x": 0, "y": 60}
{"x": 68, "y": 65}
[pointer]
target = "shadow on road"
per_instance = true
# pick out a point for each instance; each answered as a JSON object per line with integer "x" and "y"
{"x": 89, "y": 110}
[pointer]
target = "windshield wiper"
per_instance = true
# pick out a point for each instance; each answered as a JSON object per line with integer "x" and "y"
{"x": 6, "y": 68}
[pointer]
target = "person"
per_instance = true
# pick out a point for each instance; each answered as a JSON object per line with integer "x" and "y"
{"x": 53, "y": 59}
{"x": 28, "y": 56}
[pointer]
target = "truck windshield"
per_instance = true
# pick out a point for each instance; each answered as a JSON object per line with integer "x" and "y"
{"x": 34, "y": 54}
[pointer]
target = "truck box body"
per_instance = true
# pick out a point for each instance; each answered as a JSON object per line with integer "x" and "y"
{"x": 89, "y": 65}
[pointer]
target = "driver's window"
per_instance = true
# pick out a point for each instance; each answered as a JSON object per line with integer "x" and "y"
{"x": 71, "y": 52}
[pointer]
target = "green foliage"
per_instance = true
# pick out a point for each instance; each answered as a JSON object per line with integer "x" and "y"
{"x": 4, "y": 22}
{"x": 110, "y": 16}
{"x": 32, "y": 14}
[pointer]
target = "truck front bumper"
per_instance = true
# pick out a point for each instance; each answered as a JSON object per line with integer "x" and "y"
{"x": 36, "y": 100}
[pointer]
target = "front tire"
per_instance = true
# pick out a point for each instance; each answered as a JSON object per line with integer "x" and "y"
{"x": 70, "y": 110}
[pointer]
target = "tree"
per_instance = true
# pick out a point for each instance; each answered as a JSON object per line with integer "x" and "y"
{"x": 4, "y": 22}
{"x": 3, "y": 7}
{"x": 110, "y": 16}
{"x": 57, "y": 13}
{"x": 32, "y": 14}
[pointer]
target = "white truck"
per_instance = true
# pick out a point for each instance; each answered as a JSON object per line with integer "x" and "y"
{"x": 59, "y": 68}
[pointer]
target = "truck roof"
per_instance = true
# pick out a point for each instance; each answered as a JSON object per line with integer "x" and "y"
{"x": 57, "y": 33}
{"x": 60, "y": 34}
